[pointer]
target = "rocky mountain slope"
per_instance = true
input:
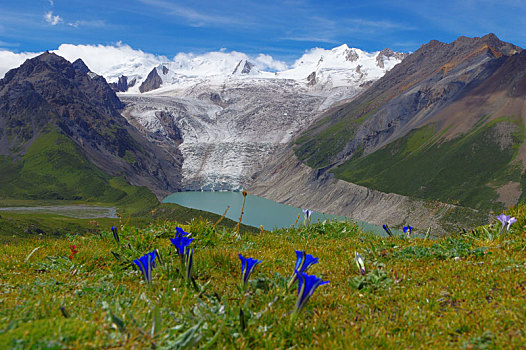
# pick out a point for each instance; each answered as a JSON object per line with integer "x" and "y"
{"x": 287, "y": 180}
{"x": 232, "y": 116}
{"x": 74, "y": 117}
{"x": 445, "y": 124}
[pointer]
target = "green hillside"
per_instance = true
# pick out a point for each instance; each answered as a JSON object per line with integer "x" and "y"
{"x": 466, "y": 170}
{"x": 55, "y": 168}
{"x": 318, "y": 146}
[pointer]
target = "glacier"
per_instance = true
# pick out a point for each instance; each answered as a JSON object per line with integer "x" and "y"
{"x": 228, "y": 116}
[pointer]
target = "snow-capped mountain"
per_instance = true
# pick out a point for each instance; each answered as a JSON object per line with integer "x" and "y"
{"x": 341, "y": 66}
{"x": 232, "y": 114}
{"x": 319, "y": 68}
{"x": 231, "y": 110}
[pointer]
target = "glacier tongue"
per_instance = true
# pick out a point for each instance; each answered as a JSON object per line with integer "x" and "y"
{"x": 227, "y": 131}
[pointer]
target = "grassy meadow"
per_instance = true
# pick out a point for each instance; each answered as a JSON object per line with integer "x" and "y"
{"x": 465, "y": 291}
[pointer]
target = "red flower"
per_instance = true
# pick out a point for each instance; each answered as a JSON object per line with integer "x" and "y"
{"x": 73, "y": 251}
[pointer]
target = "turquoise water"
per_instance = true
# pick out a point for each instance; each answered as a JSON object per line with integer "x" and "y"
{"x": 258, "y": 211}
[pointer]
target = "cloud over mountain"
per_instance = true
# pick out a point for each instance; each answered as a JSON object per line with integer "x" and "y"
{"x": 112, "y": 61}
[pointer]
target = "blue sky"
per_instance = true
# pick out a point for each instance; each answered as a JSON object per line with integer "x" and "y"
{"x": 283, "y": 29}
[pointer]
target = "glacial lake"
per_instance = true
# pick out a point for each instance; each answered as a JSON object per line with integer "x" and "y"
{"x": 258, "y": 211}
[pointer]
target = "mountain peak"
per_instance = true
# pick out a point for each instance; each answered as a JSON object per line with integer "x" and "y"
{"x": 387, "y": 54}
{"x": 80, "y": 66}
{"x": 243, "y": 67}
{"x": 494, "y": 43}
{"x": 50, "y": 58}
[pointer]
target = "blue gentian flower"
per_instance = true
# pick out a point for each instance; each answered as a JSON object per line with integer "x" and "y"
{"x": 181, "y": 241}
{"x": 407, "y": 230}
{"x": 359, "y": 262}
{"x": 181, "y": 232}
{"x": 506, "y": 220}
{"x": 303, "y": 263}
{"x": 247, "y": 266}
{"x": 146, "y": 263}
{"x": 307, "y": 286}
{"x": 115, "y": 234}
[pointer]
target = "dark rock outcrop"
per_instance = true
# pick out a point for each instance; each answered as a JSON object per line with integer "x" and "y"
{"x": 243, "y": 67}
{"x": 388, "y": 53}
{"x": 80, "y": 66}
{"x": 351, "y": 55}
{"x": 153, "y": 81}
{"x": 311, "y": 79}
{"x": 122, "y": 85}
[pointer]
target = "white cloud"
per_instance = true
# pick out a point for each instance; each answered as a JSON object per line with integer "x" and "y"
{"x": 53, "y": 20}
{"x": 222, "y": 61}
{"x": 267, "y": 62}
{"x": 10, "y": 60}
{"x": 83, "y": 23}
{"x": 51, "y": 3}
{"x": 112, "y": 61}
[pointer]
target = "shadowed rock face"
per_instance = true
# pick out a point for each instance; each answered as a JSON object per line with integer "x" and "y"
{"x": 123, "y": 84}
{"x": 153, "y": 81}
{"x": 47, "y": 92}
{"x": 388, "y": 53}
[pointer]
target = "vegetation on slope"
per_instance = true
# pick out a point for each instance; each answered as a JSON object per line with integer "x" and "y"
{"x": 318, "y": 146}
{"x": 15, "y": 226}
{"x": 464, "y": 170}
{"x": 83, "y": 291}
{"x": 55, "y": 168}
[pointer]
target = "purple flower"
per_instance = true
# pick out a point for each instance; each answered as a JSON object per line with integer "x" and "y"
{"x": 146, "y": 263}
{"x": 407, "y": 230}
{"x": 247, "y": 266}
{"x": 303, "y": 263}
{"x": 307, "y": 214}
{"x": 307, "y": 286}
{"x": 506, "y": 220}
{"x": 358, "y": 259}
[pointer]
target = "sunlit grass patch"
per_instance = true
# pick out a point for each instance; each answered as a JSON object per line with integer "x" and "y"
{"x": 461, "y": 291}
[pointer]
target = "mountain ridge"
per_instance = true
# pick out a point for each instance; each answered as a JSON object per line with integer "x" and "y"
{"x": 452, "y": 88}
{"x": 336, "y": 67}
